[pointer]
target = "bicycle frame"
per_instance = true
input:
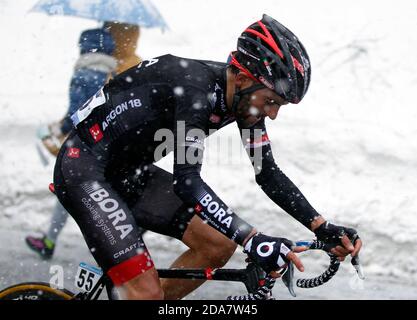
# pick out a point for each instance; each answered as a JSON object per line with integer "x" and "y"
{"x": 257, "y": 283}
{"x": 251, "y": 277}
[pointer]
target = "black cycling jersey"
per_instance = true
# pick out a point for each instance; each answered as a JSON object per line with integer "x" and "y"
{"x": 123, "y": 126}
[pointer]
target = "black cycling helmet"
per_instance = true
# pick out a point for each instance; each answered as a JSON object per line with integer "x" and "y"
{"x": 271, "y": 54}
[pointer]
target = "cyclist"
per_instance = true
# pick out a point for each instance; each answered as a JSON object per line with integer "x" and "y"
{"x": 105, "y": 177}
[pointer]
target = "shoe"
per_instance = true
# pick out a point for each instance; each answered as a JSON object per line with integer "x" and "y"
{"x": 44, "y": 246}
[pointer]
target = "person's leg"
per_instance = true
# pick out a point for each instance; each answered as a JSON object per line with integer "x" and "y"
{"x": 59, "y": 218}
{"x": 45, "y": 245}
{"x": 113, "y": 239}
{"x": 145, "y": 286}
{"x": 105, "y": 221}
{"x": 158, "y": 209}
{"x": 208, "y": 248}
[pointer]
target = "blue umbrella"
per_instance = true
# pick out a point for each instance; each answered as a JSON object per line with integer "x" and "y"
{"x": 140, "y": 12}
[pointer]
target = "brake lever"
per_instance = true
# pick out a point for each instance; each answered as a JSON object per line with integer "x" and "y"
{"x": 288, "y": 279}
{"x": 358, "y": 267}
{"x": 288, "y": 276}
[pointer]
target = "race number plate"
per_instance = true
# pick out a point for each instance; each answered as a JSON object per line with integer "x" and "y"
{"x": 87, "y": 276}
{"x": 95, "y": 101}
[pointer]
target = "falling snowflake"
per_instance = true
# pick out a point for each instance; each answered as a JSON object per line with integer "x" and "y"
{"x": 95, "y": 185}
{"x": 179, "y": 91}
{"x": 183, "y": 63}
{"x": 197, "y": 105}
{"x": 253, "y": 111}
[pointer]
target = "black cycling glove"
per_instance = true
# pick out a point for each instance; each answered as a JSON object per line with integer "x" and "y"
{"x": 269, "y": 253}
{"x": 332, "y": 235}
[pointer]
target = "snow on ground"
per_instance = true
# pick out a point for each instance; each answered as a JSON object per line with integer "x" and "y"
{"x": 349, "y": 145}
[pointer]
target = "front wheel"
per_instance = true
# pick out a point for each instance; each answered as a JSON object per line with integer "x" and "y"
{"x": 34, "y": 291}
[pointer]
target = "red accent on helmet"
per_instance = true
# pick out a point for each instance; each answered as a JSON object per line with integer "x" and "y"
{"x": 298, "y": 66}
{"x": 242, "y": 68}
{"x": 270, "y": 40}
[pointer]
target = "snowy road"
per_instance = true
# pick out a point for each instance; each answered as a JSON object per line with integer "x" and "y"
{"x": 20, "y": 264}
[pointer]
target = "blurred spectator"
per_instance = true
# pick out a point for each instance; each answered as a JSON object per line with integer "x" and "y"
{"x": 104, "y": 52}
{"x": 126, "y": 38}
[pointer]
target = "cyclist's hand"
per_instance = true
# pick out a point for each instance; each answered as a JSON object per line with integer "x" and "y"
{"x": 339, "y": 240}
{"x": 273, "y": 254}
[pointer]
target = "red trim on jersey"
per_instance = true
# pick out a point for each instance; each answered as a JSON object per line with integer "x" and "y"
{"x": 130, "y": 268}
{"x": 263, "y": 138}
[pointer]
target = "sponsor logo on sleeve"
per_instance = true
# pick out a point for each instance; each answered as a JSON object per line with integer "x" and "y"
{"x": 73, "y": 153}
{"x": 215, "y": 211}
{"x": 96, "y": 133}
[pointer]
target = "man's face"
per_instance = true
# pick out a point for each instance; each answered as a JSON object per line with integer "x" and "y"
{"x": 258, "y": 105}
